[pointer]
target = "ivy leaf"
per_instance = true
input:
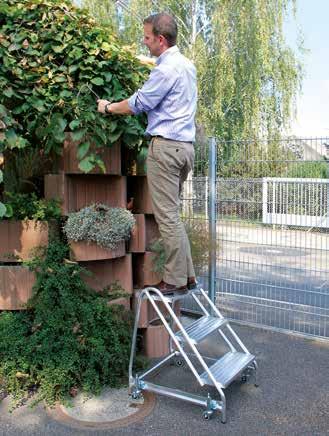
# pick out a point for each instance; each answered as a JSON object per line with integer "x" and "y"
{"x": 13, "y": 140}
{"x": 83, "y": 150}
{"x": 108, "y": 76}
{"x": 9, "y": 211}
{"x": 112, "y": 137}
{"x": 97, "y": 81}
{"x": 106, "y": 46}
{"x": 73, "y": 68}
{"x": 58, "y": 48}
{"x": 37, "y": 104}
{"x": 58, "y": 122}
{"x": 74, "y": 124}
{"x": 3, "y": 210}
{"x": 77, "y": 135}
{"x": 8, "y": 92}
{"x": 87, "y": 164}
{"x": 65, "y": 93}
{"x": 100, "y": 163}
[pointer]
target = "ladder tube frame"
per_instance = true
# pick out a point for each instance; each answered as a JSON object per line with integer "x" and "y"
{"x": 154, "y": 295}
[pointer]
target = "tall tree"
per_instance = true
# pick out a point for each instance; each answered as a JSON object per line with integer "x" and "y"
{"x": 248, "y": 76}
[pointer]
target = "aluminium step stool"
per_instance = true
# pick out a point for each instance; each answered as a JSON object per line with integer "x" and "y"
{"x": 220, "y": 372}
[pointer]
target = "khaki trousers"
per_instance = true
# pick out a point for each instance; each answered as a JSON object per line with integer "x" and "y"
{"x": 168, "y": 164}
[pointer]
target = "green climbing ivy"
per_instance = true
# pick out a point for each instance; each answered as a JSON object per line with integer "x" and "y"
{"x": 56, "y": 62}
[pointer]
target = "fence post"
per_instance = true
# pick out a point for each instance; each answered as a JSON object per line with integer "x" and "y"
{"x": 212, "y": 219}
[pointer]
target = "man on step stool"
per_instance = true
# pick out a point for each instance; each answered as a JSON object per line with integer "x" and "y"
{"x": 169, "y": 99}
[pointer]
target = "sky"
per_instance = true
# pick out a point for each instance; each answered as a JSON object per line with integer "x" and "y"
{"x": 313, "y": 104}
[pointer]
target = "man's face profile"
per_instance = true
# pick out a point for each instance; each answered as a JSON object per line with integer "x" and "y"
{"x": 153, "y": 42}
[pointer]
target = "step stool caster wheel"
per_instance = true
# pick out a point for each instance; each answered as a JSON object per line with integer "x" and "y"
{"x": 207, "y": 414}
{"x": 136, "y": 395}
{"x": 244, "y": 378}
{"x": 179, "y": 362}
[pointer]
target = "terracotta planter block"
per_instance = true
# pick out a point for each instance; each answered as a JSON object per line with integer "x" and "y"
{"x": 83, "y": 251}
{"x": 111, "y": 157}
{"x": 16, "y": 284}
{"x": 18, "y": 238}
{"x": 125, "y": 302}
{"x": 143, "y": 316}
{"x": 108, "y": 272}
{"x": 148, "y": 313}
{"x": 130, "y": 165}
{"x": 143, "y": 270}
{"x": 144, "y": 233}
{"x": 78, "y": 191}
{"x": 138, "y": 189}
{"x": 156, "y": 341}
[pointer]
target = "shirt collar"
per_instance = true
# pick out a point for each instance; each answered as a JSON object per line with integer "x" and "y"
{"x": 170, "y": 50}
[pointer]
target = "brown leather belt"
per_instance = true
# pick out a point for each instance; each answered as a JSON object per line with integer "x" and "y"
{"x": 168, "y": 139}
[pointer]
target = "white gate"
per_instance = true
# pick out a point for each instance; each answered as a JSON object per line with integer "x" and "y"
{"x": 296, "y": 202}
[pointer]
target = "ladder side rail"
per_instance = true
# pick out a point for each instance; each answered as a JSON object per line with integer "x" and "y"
{"x": 133, "y": 342}
{"x": 236, "y": 337}
{"x": 198, "y": 302}
{"x": 147, "y": 372}
{"x": 193, "y": 347}
{"x": 212, "y": 305}
{"x": 229, "y": 343}
{"x": 169, "y": 330}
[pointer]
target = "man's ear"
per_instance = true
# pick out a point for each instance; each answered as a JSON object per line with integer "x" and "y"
{"x": 162, "y": 39}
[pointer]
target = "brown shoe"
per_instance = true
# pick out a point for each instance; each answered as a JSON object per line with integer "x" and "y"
{"x": 166, "y": 288}
{"x": 191, "y": 283}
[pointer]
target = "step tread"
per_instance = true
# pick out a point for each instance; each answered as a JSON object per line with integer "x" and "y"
{"x": 227, "y": 368}
{"x": 201, "y": 328}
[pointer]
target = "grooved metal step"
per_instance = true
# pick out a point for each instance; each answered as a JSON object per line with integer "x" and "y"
{"x": 201, "y": 328}
{"x": 227, "y": 368}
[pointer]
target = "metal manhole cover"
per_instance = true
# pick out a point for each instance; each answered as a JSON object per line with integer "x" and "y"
{"x": 113, "y": 408}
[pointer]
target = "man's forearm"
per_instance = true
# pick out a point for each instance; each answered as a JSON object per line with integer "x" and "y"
{"x": 119, "y": 108}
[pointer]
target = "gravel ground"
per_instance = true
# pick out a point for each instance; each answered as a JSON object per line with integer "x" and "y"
{"x": 292, "y": 399}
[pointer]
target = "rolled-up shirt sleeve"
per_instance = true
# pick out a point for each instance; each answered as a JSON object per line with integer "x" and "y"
{"x": 153, "y": 90}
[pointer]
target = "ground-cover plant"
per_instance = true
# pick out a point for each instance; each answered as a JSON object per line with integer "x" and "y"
{"x": 68, "y": 338}
{"x": 107, "y": 226}
{"x": 56, "y": 62}
{"x": 29, "y": 206}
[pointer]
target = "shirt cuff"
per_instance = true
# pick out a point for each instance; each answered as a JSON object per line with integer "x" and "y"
{"x": 132, "y": 103}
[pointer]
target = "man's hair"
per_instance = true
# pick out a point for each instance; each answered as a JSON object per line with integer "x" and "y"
{"x": 163, "y": 24}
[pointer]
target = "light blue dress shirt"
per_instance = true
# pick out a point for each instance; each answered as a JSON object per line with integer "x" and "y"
{"x": 169, "y": 97}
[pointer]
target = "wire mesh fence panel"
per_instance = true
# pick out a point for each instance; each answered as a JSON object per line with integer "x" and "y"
{"x": 195, "y": 215}
{"x": 273, "y": 233}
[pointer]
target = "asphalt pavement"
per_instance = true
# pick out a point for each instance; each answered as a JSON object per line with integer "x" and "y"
{"x": 292, "y": 399}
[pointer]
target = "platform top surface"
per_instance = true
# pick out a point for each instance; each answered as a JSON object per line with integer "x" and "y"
{"x": 170, "y": 297}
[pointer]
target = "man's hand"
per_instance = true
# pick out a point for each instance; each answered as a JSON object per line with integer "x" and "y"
{"x": 101, "y": 106}
{"x": 119, "y": 108}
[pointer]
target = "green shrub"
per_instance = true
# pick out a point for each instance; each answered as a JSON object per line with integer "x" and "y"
{"x": 107, "y": 226}
{"x": 198, "y": 233}
{"x": 68, "y": 336}
{"x": 29, "y": 206}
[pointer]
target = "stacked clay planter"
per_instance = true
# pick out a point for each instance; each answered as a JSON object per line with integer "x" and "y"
{"x": 129, "y": 265}
{"x": 18, "y": 239}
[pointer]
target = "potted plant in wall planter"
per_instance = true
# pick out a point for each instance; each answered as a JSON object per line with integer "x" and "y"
{"x": 25, "y": 223}
{"x": 98, "y": 232}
